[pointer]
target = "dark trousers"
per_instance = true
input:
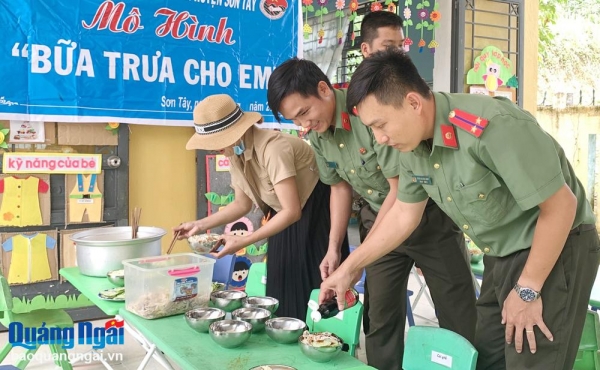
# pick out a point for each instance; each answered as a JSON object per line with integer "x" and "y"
{"x": 565, "y": 297}
{"x": 438, "y": 248}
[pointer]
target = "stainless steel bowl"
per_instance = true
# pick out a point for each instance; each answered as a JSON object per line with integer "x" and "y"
{"x": 320, "y": 354}
{"x": 103, "y": 249}
{"x": 254, "y": 315}
{"x": 227, "y": 300}
{"x": 285, "y": 329}
{"x": 268, "y": 303}
{"x": 116, "y": 277}
{"x": 200, "y": 319}
{"x": 230, "y": 333}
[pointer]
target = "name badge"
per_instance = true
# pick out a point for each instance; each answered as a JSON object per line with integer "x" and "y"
{"x": 332, "y": 165}
{"x": 425, "y": 180}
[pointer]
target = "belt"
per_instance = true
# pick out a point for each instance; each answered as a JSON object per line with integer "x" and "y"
{"x": 581, "y": 228}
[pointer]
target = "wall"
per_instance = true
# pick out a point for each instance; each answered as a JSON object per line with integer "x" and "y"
{"x": 530, "y": 67}
{"x": 162, "y": 178}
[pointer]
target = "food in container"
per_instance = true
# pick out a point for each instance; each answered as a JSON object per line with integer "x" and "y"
{"x": 202, "y": 244}
{"x": 324, "y": 339}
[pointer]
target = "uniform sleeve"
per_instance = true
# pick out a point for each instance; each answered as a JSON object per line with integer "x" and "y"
{"x": 408, "y": 191}
{"x": 8, "y": 245}
{"x": 328, "y": 175}
{"x": 516, "y": 148}
{"x": 280, "y": 161}
{"x": 388, "y": 158}
{"x": 50, "y": 242}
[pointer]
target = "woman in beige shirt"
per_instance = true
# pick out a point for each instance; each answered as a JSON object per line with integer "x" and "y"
{"x": 277, "y": 172}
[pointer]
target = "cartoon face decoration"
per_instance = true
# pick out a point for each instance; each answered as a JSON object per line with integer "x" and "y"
{"x": 240, "y": 273}
{"x": 273, "y": 9}
{"x": 241, "y": 227}
{"x": 493, "y": 69}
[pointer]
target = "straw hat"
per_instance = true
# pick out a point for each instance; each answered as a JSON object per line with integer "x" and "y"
{"x": 219, "y": 123}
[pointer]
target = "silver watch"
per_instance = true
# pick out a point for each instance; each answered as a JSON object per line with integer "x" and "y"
{"x": 526, "y": 294}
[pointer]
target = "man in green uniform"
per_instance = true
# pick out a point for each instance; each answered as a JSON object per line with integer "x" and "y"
{"x": 349, "y": 157}
{"x": 508, "y": 184}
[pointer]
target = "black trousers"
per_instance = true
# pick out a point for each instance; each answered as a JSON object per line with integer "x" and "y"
{"x": 565, "y": 297}
{"x": 437, "y": 246}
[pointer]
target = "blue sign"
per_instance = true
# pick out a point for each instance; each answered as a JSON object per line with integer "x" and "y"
{"x": 139, "y": 61}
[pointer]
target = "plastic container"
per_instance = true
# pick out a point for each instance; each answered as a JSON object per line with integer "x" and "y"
{"x": 167, "y": 285}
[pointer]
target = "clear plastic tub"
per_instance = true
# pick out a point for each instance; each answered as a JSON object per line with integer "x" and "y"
{"x": 167, "y": 285}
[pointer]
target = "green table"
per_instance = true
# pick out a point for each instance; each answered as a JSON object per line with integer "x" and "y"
{"x": 90, "y": 286}
{"x": 193, "y": 350}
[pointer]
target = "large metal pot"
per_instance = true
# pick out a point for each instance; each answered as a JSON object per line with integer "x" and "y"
{"x": 102, "y": 250}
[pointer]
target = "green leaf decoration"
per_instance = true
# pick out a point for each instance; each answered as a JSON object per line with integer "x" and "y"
{"x": 426, "y": 3}
{"x": 5, "y": 131}
{"x": 419, "y": 26}
{"x": 436, "y": 25}
{"x": 303, "y": 8}
{"x": 214, "y": 198}
{"x": 387, "y": 2}
{"x": 318, "y": 13}
{"x": 230, "y": 198}
{"x": 425, "y": 24}
{"x": 409, "y": 22}
{"x": 311, "y": 8}
{"x": 352, "y": 16}
{"x": 436, "y": 6}
{"x": 223, "y": 201}
{"x": 324, "y": 11}
{"x": 4, "y": 145}
{"x": 430, "y": 27}
{"x": 513, "y": 82}
{"x": 339, "y": 13}
{"x": 419, "y": 6}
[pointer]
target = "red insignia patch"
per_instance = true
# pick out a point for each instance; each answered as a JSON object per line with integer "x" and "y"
{"x": 449, "y": 136}
{"x": 469, "y": 122}
{"x": 346, "y": 121}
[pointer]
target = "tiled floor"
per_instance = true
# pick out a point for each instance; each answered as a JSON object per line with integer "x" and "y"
{"x": 131, "y": 353}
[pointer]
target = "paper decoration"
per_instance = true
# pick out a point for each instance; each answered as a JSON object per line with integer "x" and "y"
{"x": 54, "y": 163}
{"x": 491, "y": 69}
{"x": 21, "y": 203}
{"x": 320, "y": 13}
{"x": 220, "y": 200}
{"x": 222, "y": 163}
{"x": 113, "y": 127}
{"x": 240, "y": 273}
{"x": 3, "y": 136}
{"x": 27, "y": 132}
{"x": 307, "y": 7}
{"x": 50, "y": 303}
{"x": 84, "y": 198}
{"x": 29, "y": 258}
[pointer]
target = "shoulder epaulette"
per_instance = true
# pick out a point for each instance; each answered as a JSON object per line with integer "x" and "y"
{"x": 469, "y": 122}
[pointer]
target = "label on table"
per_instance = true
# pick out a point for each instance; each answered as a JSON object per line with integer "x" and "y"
{"x": 442, "y": 359}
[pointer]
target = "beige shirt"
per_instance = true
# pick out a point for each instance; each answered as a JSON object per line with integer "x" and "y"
{"x": 269, "y": 158}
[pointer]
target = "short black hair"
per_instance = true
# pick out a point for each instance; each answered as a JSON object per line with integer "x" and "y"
{"x": 373, "y": 21}
{"x": 389, "y": 75}
{"x": 294, "y": 76}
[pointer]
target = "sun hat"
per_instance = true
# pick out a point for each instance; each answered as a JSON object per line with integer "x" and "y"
{"x": 219, "y": 123}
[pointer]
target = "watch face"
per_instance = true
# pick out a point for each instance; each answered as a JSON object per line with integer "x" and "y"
{"x": 528, "y": 295}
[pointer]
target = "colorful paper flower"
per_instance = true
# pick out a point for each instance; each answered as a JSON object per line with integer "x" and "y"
{"x": 8, "y": 216}
{"x": 321, "y": 32}
{"x": 307, "y": 2}
{"x": 376, "y": 6}
{"x": 3, "y": 134}
{"x": 307, "y": 28}
{"x": 340, "y": 4}
{"x": 432, "y": 45}
{"x": 435, "y": 16}
{"x": 407, "y": 13}
{"x": 407, "y": 43}
{"x": 423, "y": 13}
{"x": 391, "y": 8}
{"x": 112, "y": 127}
{"x": 340, "y": 34}
{"x": 421, "y": 43}
{"x": 353, "y": 5}
{"x": 323, "y": 2}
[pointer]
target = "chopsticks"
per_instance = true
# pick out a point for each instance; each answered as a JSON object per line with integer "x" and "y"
{"x": 136, "y": 214}
{"x": 173, "y": 241}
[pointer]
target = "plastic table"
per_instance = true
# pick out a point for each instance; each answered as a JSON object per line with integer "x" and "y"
{"x": 193, "y": 350}
{"x": 90, "y": 287}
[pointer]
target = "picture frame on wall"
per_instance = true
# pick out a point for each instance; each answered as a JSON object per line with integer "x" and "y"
{"x": 503, "y": 91}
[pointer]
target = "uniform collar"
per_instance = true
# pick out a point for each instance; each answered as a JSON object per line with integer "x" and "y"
{"x": 341, "y": 114}
{"x": 442, "y": 108}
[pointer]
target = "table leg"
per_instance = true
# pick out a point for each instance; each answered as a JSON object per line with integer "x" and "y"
{"x": 150, "y": 348}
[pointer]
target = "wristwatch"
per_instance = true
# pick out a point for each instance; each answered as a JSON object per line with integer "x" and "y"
{"x": 526, "y": 294}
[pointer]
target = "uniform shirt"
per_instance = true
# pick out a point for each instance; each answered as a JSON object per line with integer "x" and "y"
{"x": 269, "y": 158}
{"x": 351, "y": 153}
{"x": 490, "y": 186}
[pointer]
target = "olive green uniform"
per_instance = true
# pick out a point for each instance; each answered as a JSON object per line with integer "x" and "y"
{"x": 350, "y": 153}
{"x": 491, "y": 187}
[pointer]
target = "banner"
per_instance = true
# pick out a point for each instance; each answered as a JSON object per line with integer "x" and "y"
{"x": 139, "y": 61}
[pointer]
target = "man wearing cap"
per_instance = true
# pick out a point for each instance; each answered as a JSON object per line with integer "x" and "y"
{"x": 348, "y": 157}
{"x": 489, "y": 166}
{"x": 278, "y": 173}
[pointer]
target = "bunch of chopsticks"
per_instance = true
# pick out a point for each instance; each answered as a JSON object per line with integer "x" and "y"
{"x": 135, "y": 221}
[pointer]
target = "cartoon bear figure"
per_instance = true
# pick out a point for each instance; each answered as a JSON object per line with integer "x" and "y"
{"x": 240, "y": 273}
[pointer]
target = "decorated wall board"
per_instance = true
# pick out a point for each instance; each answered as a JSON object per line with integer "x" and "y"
{"x": 219, "y": 194}
{"x": 30, "y": 257}
{"x": 492, "y": 69}
{"x": 84, "y": 198}
{"x": 24, "y": 200}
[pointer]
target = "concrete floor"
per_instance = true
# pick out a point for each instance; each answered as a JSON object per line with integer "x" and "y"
{"x": 132, "y": 353}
